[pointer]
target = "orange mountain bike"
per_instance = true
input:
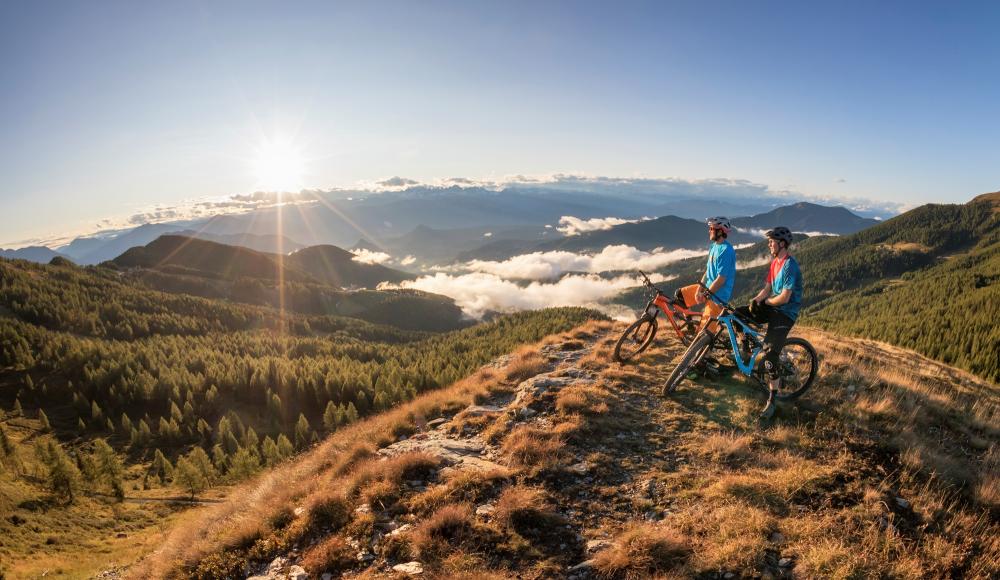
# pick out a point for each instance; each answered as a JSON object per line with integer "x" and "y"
{"x": 639, "y": 335}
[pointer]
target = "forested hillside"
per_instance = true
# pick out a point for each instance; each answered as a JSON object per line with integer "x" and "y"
{"x": 311, "y": 281}
{"x": 108, "y": 357}
{"x": 948, "y": 311}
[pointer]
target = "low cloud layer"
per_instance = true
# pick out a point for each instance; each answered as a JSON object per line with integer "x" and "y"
{"x": 572, "y": 226}
{"x": 479, "y": 293}
{"x": 552, "y": 265}
{"x": 369, "y": 257}
{"x": 761, "y": 232}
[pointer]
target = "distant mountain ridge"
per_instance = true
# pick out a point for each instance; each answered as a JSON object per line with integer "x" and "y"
{"x": 388, "y": 220}
{"x": 39, "y": 254}
{"x": 325, "y": 264}
{"x": 808, "y": 217}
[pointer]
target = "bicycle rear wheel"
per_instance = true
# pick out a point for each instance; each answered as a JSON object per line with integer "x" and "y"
{"x": 699, "y": 346}
{"x": 636, "y": 338}
{"x": 797, "y": 367}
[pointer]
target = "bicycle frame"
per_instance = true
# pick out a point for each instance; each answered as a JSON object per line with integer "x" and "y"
{"x": 727, "y": 319}
{"x": 746, "y": 367}
{"x": 658, "y": 303}
{"x": 661, "y": 305}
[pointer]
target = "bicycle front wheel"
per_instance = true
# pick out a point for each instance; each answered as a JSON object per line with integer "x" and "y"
{"x": 694, "y": 353}
{"x": 635, "y": 339}
{"x": 797, "y": 367}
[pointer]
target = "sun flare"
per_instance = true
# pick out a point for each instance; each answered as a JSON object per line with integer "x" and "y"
{"x": 278, "y": 166}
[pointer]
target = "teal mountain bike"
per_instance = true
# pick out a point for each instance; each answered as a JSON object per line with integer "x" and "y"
{"x": 797, "y": 366}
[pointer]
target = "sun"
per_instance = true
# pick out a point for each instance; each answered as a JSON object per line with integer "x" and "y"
{"x": 278, "y": 166}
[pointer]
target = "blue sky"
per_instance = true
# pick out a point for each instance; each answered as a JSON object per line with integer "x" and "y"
{"x": 108, "y": 108}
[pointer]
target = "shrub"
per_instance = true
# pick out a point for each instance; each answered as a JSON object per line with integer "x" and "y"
{"x": 533, "y": 448}
{"x": 333, "y": 555}
{"x": 449, "y": 527}
{"x": 641, "y": 551}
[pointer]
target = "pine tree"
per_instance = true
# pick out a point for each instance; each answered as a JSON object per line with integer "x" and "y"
{"x": 126, "y": 424}
{"x": 63, "y": 477}
{"x": 161, "y": 466}
{"x": 109, "y": 467}
{"x": 243, "y": 464}
{"x": 189, "y": 477}
{"x": 285, "y": 448}
{"x": 18, "y": 410}
{"x": 303, "y": 432}
{"x": 270, "y": 451}
{"x": 95, "y": 411}
{"x": 251, "y": 441}
{"x": 351, "y": 415}
{"x": 219, "y": 458}
{"x": 44, "y": 420}
{"x": 200, "y": 459}
{"x": 331, "y": 417}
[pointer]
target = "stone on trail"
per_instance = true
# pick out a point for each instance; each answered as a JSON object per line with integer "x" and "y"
{"x": 411, "y": 568}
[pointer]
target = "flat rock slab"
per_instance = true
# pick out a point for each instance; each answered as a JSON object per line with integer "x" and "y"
{"x": 481, "y": 410}
{"x": 466, "y": 453}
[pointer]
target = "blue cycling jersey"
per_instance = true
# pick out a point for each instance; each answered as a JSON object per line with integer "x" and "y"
{"x": 721, "y": 262}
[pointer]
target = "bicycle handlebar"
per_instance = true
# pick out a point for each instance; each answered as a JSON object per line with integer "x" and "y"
{"x": 715, "y": 298}
{"x": 647, "y": 282}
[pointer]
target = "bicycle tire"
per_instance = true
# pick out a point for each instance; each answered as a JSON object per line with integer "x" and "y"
{"x": 803, "y": 385}
{"x": 647, "y": 339}
{"x": 699, "y": 346}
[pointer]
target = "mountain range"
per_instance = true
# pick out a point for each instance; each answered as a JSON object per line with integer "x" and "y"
{"x": 437, "y": 225}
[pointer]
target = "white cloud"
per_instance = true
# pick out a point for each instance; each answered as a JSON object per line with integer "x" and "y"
{"x": 369, "y": 257}
{"x": 753, "y": 262}
{"x": 571, "y": 226}
{"x": 480, "y": 292}
{"x": 552, "y": 265}
{"x": 488, "y": 235}
{"x": 407, "y": 261}
{"x": 757, "y": 232}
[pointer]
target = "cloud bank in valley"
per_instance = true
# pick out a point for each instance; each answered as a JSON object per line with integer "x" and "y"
{"x": 556, "y": 278}
{"x": 478, "y": 293}
{"x": 572, "y": 226}
{"x": 552, "y": 265}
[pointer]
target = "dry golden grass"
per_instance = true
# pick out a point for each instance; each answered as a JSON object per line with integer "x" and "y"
{"x": 641, "y": 551}
{"x": 525, "y": 363}
{"x": 600, "y": 357}
{"x": 449, "y": 528}
{"x": 467, "y": 486}
{"x": 393, "y": 471}
{"x": 332, "y": 555}
{"x": 329, "y": 509}
{"x": 988, "y": 486}
{"x": 583, "y": 399}
{"x": 520, "y": 506}
{"x": 726, "y": 535}
{"x": 532, "y": 448}
{"x": 725, "y": 447}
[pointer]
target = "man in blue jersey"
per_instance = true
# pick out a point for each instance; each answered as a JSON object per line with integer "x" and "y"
{"x": 777, "y": 305}
{"x": 719, "y": 276}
